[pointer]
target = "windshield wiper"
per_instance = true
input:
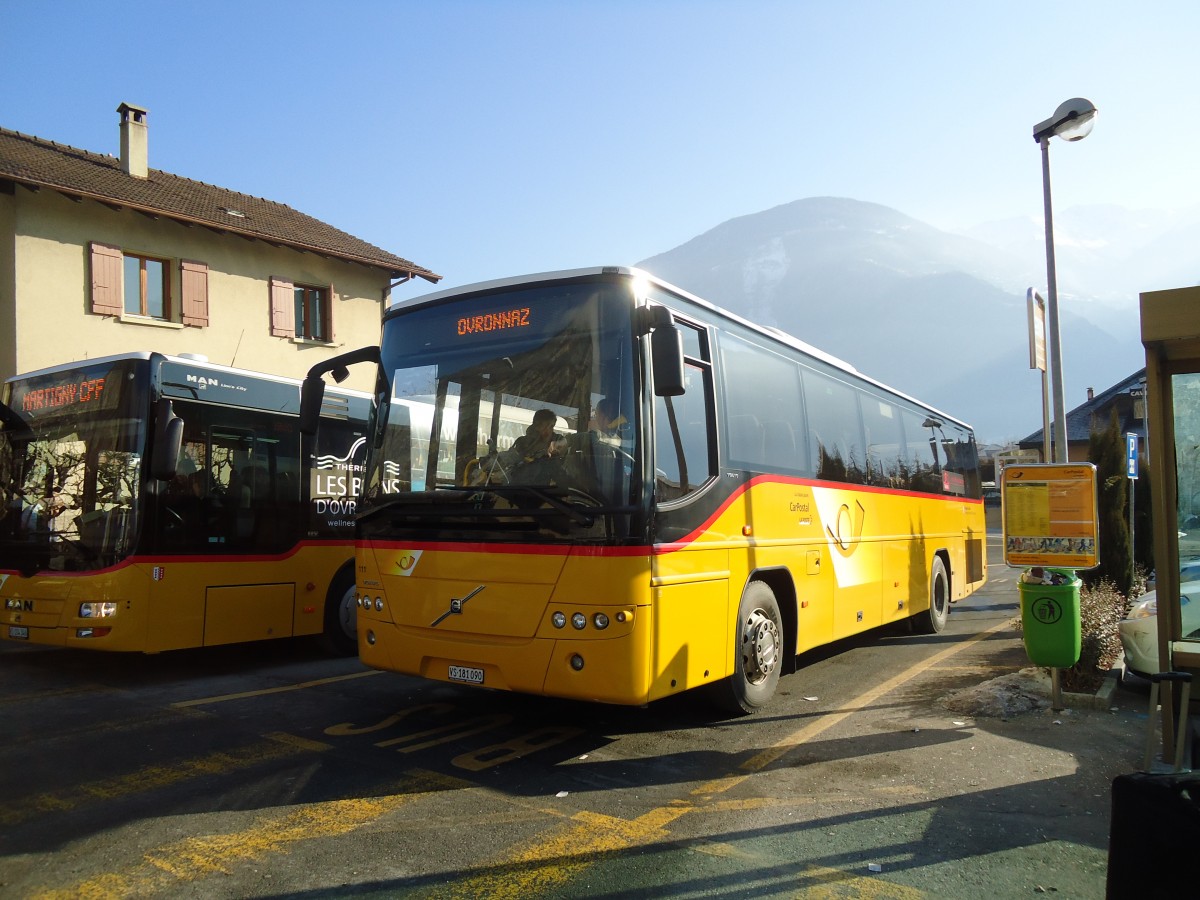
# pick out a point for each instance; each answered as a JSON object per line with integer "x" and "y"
{"x": 570, "y": 510}
{"x": 426, "y": 502}
{"x": 74, "y": 541}
{"x": 32, "y": 556}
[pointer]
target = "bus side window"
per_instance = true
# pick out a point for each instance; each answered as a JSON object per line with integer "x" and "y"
{"x": 921, "y": 451}
{"x": 837, "y": 445}
{"x": 683, "y": 460}
{"x": 764, "y": 408}
{"x": 779, "y": 442}
{"x": 881, "y": 421}
{"x": 746, "y": 438}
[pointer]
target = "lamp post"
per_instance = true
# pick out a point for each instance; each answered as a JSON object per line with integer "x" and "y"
{"x": 1072, "y": 121}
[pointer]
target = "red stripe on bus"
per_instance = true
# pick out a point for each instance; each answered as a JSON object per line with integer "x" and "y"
{"x": 195, "y": 558}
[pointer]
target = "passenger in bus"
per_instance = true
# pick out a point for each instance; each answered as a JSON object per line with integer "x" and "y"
{"x": 606, "y": 421}
{"x": 534, "y": 457}
{"x": 238, "y": 494}
{"x": 239, "y": 503}
{"x": 539, "y": 439}
{"x": 593, "y": 460}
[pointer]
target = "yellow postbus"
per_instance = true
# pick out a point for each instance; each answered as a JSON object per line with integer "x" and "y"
{"x": 699, "y": 499}
{"x": 155, "y": 502}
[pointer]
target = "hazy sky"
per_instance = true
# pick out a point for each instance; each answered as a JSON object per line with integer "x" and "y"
{"x": 484, "y": 139}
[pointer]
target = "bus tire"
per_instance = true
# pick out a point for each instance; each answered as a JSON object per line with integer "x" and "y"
{"x": 933, "y": 620}
{"x": 758, "y": 655}
{"x": 341, "y": 618}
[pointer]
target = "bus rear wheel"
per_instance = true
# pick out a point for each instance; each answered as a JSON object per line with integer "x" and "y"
{"x": 933, "y": 620}
{"x": 758, "y": 653}
{"x": 341, "y": 617}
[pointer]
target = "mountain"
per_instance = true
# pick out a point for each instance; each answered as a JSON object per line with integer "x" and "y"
{"x": 939, "y": 316}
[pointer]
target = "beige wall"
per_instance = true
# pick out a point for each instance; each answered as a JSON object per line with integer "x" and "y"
{"x": 51, "y": 291}
{"x": 8, "y": 331}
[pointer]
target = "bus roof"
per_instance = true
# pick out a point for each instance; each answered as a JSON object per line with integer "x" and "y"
{"x": 771, "y": 332}
{"x": 183, "y": 359}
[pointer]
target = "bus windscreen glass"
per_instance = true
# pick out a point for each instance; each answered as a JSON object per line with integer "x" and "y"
{"x": 508, "y": 415}
{"x": 71, "y": 457}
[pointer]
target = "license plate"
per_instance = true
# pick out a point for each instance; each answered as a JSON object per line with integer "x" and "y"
{"x": 467, "y": 674}
{"x": 21, "y": 632}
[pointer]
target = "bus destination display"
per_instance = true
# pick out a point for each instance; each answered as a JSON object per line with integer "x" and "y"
{"x": 28, "y": 398}
{"x": 494, "y": 321}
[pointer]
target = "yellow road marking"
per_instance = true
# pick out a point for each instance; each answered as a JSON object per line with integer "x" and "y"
{"x": 304, "y": 685}
{"x": 162, "y": 869}
{"x": 546, "y": 864}
{"x": 150, "y": 778}
{"x": 541, "y": 865}
{"x": 549, "y": 862}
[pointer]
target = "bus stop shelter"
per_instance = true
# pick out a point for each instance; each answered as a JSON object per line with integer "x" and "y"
{"x": 1171, "y": 337}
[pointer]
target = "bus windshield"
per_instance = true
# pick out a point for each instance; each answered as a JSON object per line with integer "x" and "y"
{"x": 507, "y": 416}
{"x": 71, "y": 460}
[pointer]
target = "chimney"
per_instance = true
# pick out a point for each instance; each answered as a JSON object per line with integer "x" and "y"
{"x": 1091, "y": 395}
{"x": 135, "y": 156}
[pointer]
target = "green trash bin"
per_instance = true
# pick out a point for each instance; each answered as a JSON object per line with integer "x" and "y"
{"x": 1050, "y": 621}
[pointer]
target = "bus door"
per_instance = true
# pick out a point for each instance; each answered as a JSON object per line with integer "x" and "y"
{"x": 233, "y": 504}
{"x": 695, "y": 601}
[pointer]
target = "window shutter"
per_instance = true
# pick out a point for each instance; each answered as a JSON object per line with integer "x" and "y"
{"x": 283, "y": 308}
{"x": 107, "y": 295}
{"x": 194, "y": 276}
{"x": 329, "y": 332}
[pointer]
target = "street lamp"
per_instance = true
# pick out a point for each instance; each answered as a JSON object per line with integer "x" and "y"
{"x": 1072, "y": 121}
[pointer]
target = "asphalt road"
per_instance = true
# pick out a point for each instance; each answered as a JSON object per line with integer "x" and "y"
{"x": 271, "y": 771}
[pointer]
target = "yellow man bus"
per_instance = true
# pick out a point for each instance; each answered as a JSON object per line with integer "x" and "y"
{"x": 691, "y": 500}
{"x": 153, "y": 503}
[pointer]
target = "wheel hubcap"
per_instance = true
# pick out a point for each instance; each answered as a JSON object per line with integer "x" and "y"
{"x": 760, "y": 646}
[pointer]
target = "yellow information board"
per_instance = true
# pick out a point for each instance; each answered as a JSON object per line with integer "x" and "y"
{"x": 1050, "y": 515}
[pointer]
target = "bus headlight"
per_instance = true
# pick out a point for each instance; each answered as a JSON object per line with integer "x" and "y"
{"x": 579, "y": 621}
{"x": 559, "y": 620}
{"x": 600, "y": 620}
{"x": 97, "y": 610}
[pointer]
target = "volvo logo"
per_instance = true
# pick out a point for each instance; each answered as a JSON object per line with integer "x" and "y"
{"x": 456, "y": 607}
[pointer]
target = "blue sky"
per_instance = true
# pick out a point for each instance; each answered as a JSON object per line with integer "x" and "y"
{"x": 485, "y": 139}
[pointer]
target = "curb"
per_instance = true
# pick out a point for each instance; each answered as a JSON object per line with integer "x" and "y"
{"x": 1101, "y": 700}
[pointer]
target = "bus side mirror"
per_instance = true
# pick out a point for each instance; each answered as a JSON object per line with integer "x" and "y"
{"x": 312, "y": 395}
{"x": 312, "y": 391}
{"x": 666, "y": 358}
{"x": 168, "y": 442}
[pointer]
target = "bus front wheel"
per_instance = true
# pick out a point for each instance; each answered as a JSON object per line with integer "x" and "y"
{"x": 341, "y": 617}
{"x": 933, "y": 620}
{"x": 759, "y": 652}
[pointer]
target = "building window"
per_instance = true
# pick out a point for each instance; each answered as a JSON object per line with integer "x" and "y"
{"x": 312, "y": 313}
{"x": 146, "y": 287}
